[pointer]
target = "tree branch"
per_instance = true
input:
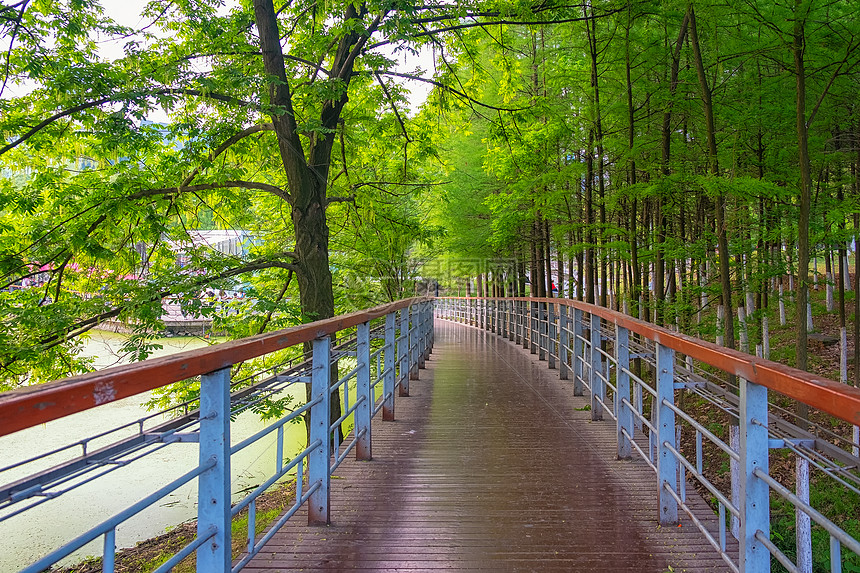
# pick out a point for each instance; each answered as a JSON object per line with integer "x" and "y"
{"x": 209, "y": 186}
{"x": 350, "y": 199}
{"x": 226, "y": 145}
{"x": 121, "y": 97}
{"x": 14, "y": 34}
{"x": 393, "y": 106}
{"x": 346, "y": 67}
{"x": 851, "y": 48}
{"x": 496, "y": 23}
{"x": 82, "y": 326}
{"x": 448, "y": 88}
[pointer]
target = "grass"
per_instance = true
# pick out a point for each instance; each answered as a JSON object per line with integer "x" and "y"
{"x": 829, "y": 498}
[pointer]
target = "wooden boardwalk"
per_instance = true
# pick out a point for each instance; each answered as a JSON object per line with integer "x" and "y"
{"x": 492, "y": 465}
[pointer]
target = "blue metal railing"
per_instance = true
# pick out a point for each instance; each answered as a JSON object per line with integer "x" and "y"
{"x": 598, "y": 348}
{"x": 391, "y": 365}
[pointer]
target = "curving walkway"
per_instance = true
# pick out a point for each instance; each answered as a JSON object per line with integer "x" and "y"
{"x": 492, "y": 465}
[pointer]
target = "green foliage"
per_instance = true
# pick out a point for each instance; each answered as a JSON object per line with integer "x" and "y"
{"x": 834, "y": 501}
{"x": 98, "y": 205}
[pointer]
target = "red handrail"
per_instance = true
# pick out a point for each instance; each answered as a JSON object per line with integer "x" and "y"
{"x": 834, "y": 398}
{"x": 26, "y": 407}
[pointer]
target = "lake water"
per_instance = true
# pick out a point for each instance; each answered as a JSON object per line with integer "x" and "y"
{"x": 27, "y": 537}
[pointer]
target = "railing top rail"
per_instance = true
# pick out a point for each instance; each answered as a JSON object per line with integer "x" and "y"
{"x": 26, "y": 407}
{"x": 834, "y": 398}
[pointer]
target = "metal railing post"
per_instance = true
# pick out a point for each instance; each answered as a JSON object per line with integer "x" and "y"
{"x": 533, "y": 322}
{"x": 518, "y": 319}
{"x": 391, "y": 362}
{"x": 420, "y": 334}
{"x": 578, "y": 353}
{"x": 363, "y": 447}
{"x": 623, "y": 414}
{"x": 552, "y": 335}
{"x": 755, "y": 494}
{"x": 525, "y": 320}
{"x": 667, "y": 465}
{"x": 596, "y": 384}
{"x": 431, "y": 331}
{"x": 541, "y": 337}
{"x": 213, "y": 494}
{"x": 563, "y": 342}
{"x": 403, "y": 352}
{"x": 413, "y": 342}
{"x": 503, "y": 318}
{"x": 319, "y": 475}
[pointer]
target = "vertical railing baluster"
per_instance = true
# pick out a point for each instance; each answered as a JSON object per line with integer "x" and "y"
{"x": 319, "y": 474}
{"x": 667, "y": 473}
{"x": 598, "y": 387}
{"x": 755, "y": 494}
{"x": 279, "y": 450}
{"x": 364, "y": 396}
{"x": 432, "y": 327}
{"x": 525, "y": 322}
{"x": 835, "y": 555}
{"x": 391, "y": 361}
{"x": 623, "y": 414}
{"x": 213, "y": 494}
{"x": 552, "y": 336}
{"x": 492, "y": 318}
{"x": 578, "y": 353}
{"x": 428, "y": 329}
{"x": 413, "y": 343}
{"x": 515, "y": 334}
{"x": 541, "y": 321}
{"x": 403, "y": 352}
{"x": 109, "y": 552}
{"x": 420, "y": 335}
{"x": 563, "y": 342}
{"x": 252, "y": 524}
{"x": 503, "y": 316}
{"x": 494, "y": 323}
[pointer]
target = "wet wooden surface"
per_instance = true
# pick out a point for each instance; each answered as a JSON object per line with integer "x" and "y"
{"x": 491, "y": 465}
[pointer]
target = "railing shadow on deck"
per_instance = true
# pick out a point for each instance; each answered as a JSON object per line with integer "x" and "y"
{"x": 388, "y": 344}
{"x": 603, "y": 352}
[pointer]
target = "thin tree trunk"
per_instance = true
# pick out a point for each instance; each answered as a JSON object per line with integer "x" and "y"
{"x": 719, "y": 205}
{"x": 805, "y": 200}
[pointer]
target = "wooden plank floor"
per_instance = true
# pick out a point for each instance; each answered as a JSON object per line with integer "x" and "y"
{"x": 491, "y": 465}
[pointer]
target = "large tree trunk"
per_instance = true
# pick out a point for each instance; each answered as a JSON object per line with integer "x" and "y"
{"x": 307, "y": 175}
